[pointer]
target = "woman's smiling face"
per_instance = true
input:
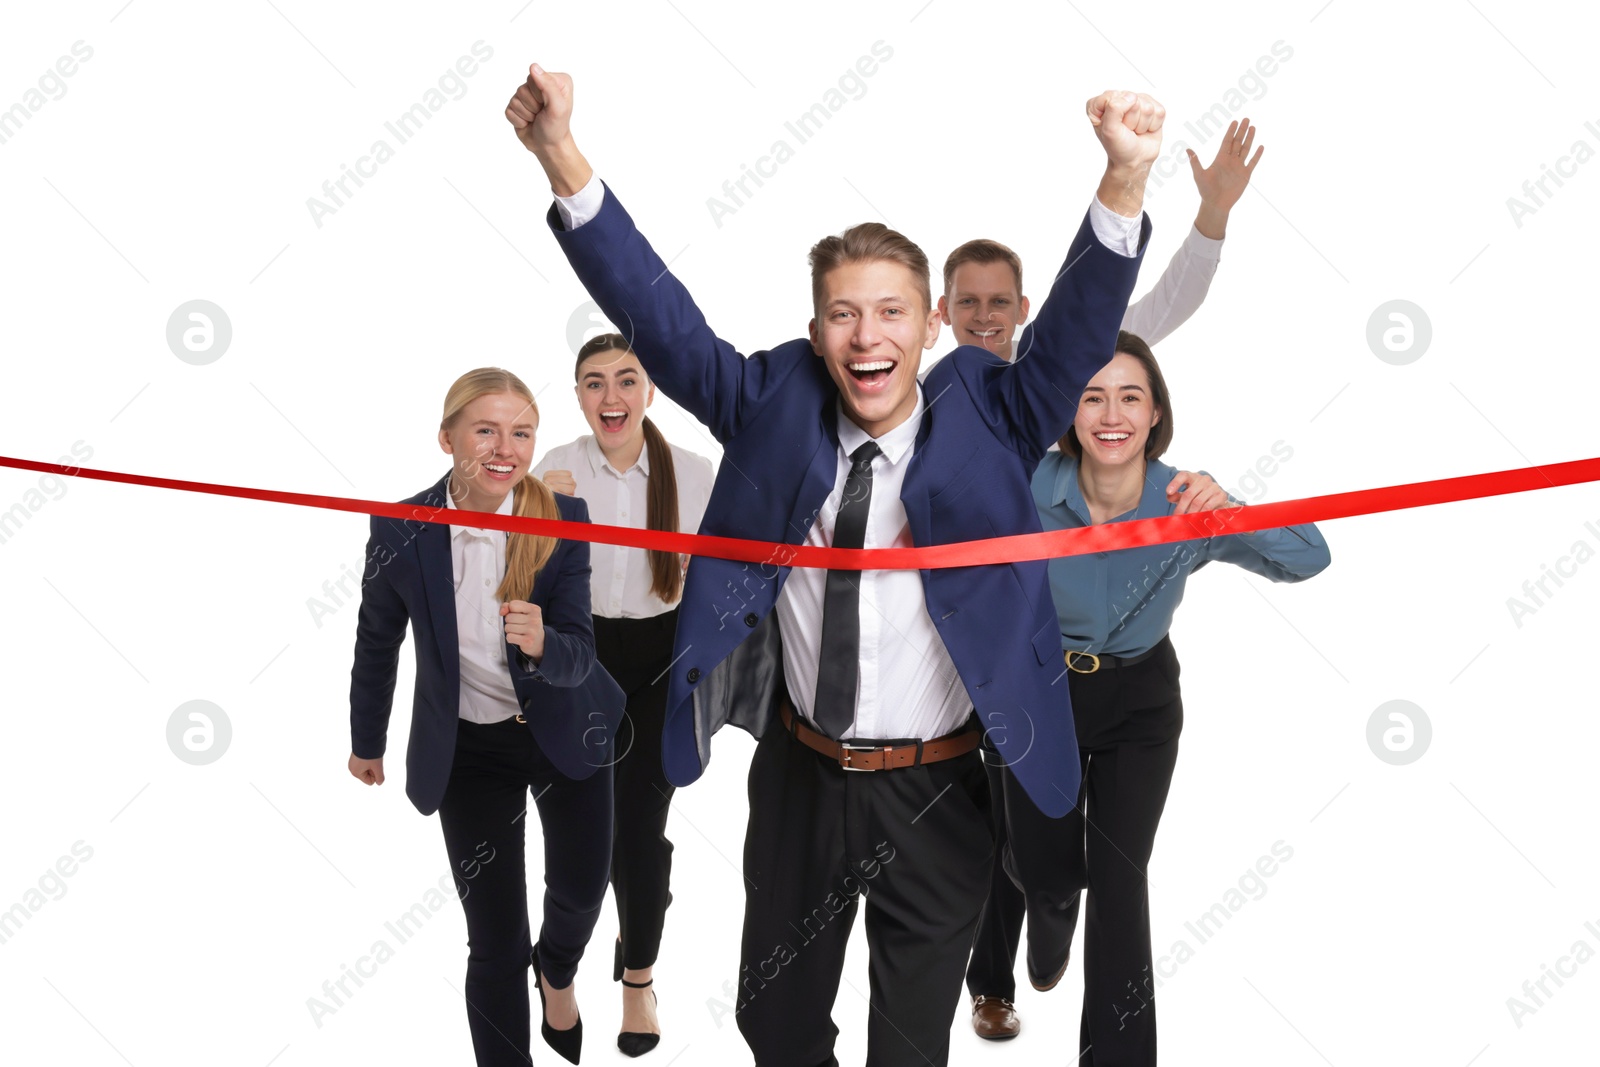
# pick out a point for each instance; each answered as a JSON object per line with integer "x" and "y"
{"x": 1116, "y": 414}
{"x": 614, "y": 392}
{"x": 491, "y": 442}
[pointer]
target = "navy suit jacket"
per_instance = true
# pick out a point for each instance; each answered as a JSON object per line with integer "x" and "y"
{"x": 987, "y": 425}
{"x": 572, "y": 705}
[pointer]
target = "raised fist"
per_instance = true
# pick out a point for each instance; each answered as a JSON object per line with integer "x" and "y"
{"x": 561, "y": 482}
{"x": 1129, "y": 127}
{"x": 541, "y": 110}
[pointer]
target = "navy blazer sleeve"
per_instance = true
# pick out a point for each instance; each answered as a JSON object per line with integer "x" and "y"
{"x": 1071, "y": 338}
{"x": 380, "y": 631}
{"x": 699, "y": 370}
{"x": 564, "y": 600}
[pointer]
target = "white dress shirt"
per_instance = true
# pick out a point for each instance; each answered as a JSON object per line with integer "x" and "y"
{"x": 619, "y": 581}
{"x": 478, "y": 566}
{"x": 1180, "y": 291}
{"x": 908, "y": 684}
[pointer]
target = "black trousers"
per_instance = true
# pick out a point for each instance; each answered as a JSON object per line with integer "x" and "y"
{"x": 1128, "y": 720}
{"x": 916, "y": 844}
{"x": 483, "y": 818}
{"x": 637, "y": 652}
{"x": 992, "y": 971}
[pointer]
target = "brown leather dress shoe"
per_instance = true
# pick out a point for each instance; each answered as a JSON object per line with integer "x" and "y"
{"x": 995, "y": 1018}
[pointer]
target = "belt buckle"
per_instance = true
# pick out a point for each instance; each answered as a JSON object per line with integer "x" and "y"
{"x": 1077, "y": 670}
{"x": 846, "y": 748}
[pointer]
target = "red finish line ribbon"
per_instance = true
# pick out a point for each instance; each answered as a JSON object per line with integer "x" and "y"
{"x": 1105, "y": 537}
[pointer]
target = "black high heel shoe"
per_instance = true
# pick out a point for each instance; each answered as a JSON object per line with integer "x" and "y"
{"x": 567, "y": 1043}
{"x": 630, "y": 1042}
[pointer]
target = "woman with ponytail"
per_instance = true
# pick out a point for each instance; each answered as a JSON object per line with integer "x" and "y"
{"x": 629, "y": 475}
{"x": 509, "y": 701}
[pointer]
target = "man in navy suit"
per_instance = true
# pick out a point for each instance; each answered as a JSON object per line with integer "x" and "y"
{"x": 887, "y": 672}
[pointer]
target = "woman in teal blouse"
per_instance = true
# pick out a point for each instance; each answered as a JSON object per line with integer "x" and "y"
{"x": 1115, "y": 609}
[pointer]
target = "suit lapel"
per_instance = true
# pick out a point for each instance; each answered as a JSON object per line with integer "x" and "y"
{"x": 914, "y": 490}
{"x": 438, "y": 585}
{"x": 822, "y": 471}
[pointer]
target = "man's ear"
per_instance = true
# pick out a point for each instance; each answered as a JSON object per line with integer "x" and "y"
{"x": 934, "y": 321}
{"x": 811, "y": 330}
{"x": 944, "y": 310}
{"x": 1022, "y": 306}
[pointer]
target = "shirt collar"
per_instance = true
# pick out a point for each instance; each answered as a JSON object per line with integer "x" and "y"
{"x": 1153, "y": 501}
{"x": 1067, "y": 489}
{"x": 597, "y": 459}
{"x": 475, "y": 531}
{"x": 894, "y": 444}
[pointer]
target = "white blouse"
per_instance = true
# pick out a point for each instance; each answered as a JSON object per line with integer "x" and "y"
{"x": 619, "y": 581}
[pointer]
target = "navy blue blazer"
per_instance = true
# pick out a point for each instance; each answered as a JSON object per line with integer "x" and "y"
{"x": 572, "y": 705}
{"x": 987, "y": 425}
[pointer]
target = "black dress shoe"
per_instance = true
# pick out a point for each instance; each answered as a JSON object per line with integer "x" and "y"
{"x": 567, "y": 1043}
{"x": 1050, "y": 943}
{"x": 633, "y": 1043}
{"x": 1042, "y": 982}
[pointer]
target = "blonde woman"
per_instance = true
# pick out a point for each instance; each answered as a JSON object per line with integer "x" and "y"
{"x": 509, "y": 701}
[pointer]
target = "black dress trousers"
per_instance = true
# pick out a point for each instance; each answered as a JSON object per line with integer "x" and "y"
{"x": 484, "y": 817}
{"x": 912, "y": 848}
{"x": 637, "y": 653}
{"x": 1128, "y": 720}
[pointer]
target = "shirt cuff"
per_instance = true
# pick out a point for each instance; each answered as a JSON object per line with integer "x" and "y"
{"x": 1199, "y": 244}
{"x": 1117, "y": 232}
{"x": 582, "y": 205}
{"x": 530, "y": 667}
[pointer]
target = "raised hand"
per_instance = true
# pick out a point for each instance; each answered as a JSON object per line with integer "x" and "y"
{"x": 1128, "y": 126}
{"x": 541, "y": 110}
{"x": 1223, "y": 183}
{"x": 524, "y": 624}
{"x": 541, "y": 113}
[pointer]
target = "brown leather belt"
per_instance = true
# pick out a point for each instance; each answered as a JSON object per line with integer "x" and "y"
{"x": 854, "y": 757}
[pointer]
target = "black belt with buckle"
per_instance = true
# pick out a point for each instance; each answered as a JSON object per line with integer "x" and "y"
{"x": 1089, "y": 662}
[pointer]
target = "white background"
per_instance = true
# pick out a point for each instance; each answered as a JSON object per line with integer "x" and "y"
{"x": 177, "y": 166}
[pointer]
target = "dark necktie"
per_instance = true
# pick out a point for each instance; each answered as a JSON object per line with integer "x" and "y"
{"x": 839, "y": 669}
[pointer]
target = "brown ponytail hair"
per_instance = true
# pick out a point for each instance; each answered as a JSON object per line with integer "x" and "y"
{"x": 526, "y": 554}
{"x": 661, "y": 510}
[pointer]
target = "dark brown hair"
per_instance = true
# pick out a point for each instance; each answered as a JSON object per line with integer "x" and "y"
{"x": 661, "y": 508}
{"x": 982, "y": 250}
{"x": 1161, "y": 433}
{"x": 862, "y": 244}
